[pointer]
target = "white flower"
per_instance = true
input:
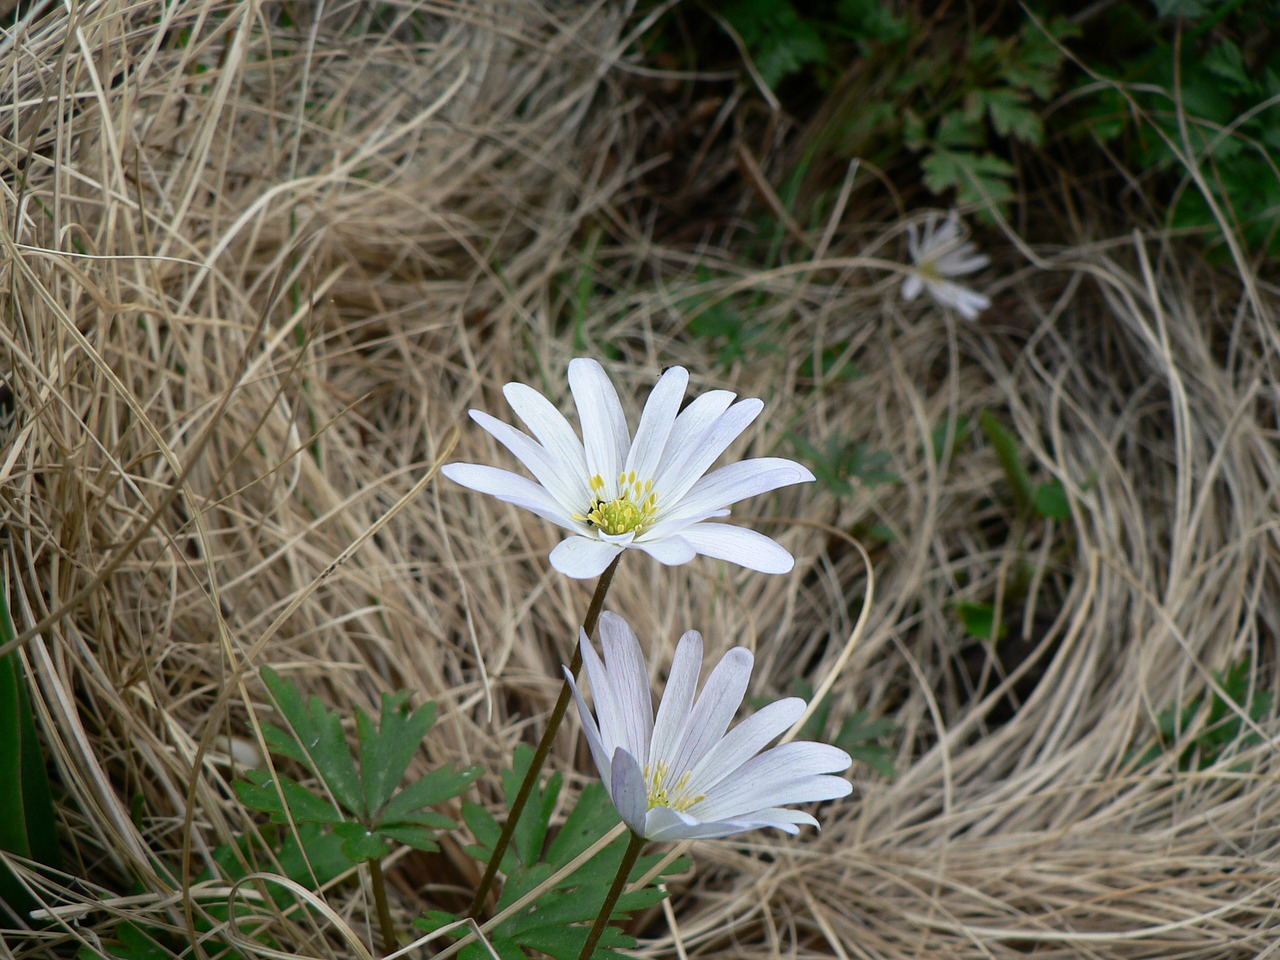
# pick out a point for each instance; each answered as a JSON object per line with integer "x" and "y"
{"x": 938, "y": 254}
{"x": 681, "y": 777}
{"x": 613, "y": 491}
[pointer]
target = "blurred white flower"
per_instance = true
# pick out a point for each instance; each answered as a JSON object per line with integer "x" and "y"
{"x": 681, "y": 777}
{"x": 649, "y": 492}
{"x": 939, "y": 254}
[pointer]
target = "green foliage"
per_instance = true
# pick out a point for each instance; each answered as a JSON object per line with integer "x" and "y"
{"x": 979, "y": 621}
{"x": 558, "y": 923}
{"x": 28, "y": 826}
{"x": 841, "y": 461}
{"x": 1047, "y": 500}
{"x": 729, "y": 324}
{"x": 957, "y": 95}
{"x": 360, "y": 803}
{"x": 1222, "y": 728}
{"x": 1195, "y": 95}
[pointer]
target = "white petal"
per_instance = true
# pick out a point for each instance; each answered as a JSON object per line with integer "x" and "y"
{"x": 785, "y": 819}
{"x": 656, "y": 422}
{"x": 746, "y": 799}
{"x": 743, "y": 742}
{"x": 583, "y": 557}
{"x": 663, "y": 823}
{"x": 676, "y": 479}
{"x": 630, "y": 680}
{"x": 739, "y": 545}
{"x": 671, "y": 550}
{"x": 694, "y": 420}
{"x": 559, "y": 478}
{"x": 677, "y": 699}
{"x": 711, "y": 715}
{"x": 962, "y": 261}
{"x": 609, "y": 707}
{"x": 628, "y": 791}
{"x": 510, "y": 488}
{"x": 598, "y": 752}
{"x": 913, "y": 245}
{"x": 549, "y": 425}
{"x": 781, "y": 775}
{"x": 912, "y": 286}
{"x": 738, "y": 481}
{"x": 604, "y": 425}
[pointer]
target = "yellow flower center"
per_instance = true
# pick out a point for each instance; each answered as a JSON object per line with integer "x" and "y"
{"x": 928, "y": 270}
{"x": 675, "y": 796}
{"x": 633, "y": 510}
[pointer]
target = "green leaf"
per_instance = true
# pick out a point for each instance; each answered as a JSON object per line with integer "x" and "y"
{"x": 412, "y": 834}
{"x": 318, "y": 732}
{"x": 28, "y": 825}
{"x": 860, "y": 736}
{"x": 1005, "y": 445}
{"x": 1011, "y": 116}
{"x": 980, "y": 621}
{"x": 385, "y": 753}
{"x": 434, "y": 788}
{"x": 978, "y": 179}
{"x": 1051, "y": 501}
{"x": 260, "y": 791}
{"x": 361, "y": 843}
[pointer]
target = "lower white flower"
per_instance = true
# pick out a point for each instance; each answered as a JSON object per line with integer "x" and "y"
{"x": 681, "y": 776}
{"x": 939, "y": 254}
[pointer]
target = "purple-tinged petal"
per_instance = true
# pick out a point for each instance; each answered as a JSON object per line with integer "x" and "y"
{"x": 719, "y": 701}
{"x": 628, "y": 791}
{"x": 598, "y": 752}
{"x": 630, "y": 679}
{"x": 677, "y": 699}
{"x": 743, "y": 742}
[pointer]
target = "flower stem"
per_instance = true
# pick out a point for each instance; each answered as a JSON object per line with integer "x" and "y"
{"x": 544, "y": 745}
{"x": 610, "y": 901}
{"x": 389, "y": 942}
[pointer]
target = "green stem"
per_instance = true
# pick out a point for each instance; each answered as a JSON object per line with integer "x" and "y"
{"x": 389, "y": 942}
{"x": 606, "y": 912}
{"x": 544, "y": 745}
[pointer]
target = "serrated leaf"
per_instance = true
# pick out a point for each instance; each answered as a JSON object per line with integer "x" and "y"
{"x": 978, "y": 179}
{"x": 260, "y": 791}
{"x": 434, "y": 788}
{"x": 385, "y": 753}
{"x": 411, "y": 835}
{"x": 359, "y": 843}
{"x": 1011, "y": 116}
{"x": 960, "y": 128}
{"x": 318, "y": 732}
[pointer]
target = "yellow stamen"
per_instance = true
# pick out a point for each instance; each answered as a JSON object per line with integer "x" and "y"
{"x": 632, "y": 511}
{"x": 675, "y": 796}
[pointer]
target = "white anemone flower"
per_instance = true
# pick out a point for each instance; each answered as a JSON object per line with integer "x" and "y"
{"x": 938, "y": 255}
{"x": 651, "y": 492}
{"x": 681, "y": 776}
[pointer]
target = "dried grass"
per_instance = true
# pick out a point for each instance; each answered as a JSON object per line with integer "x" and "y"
{"x": 256, "y": 270}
